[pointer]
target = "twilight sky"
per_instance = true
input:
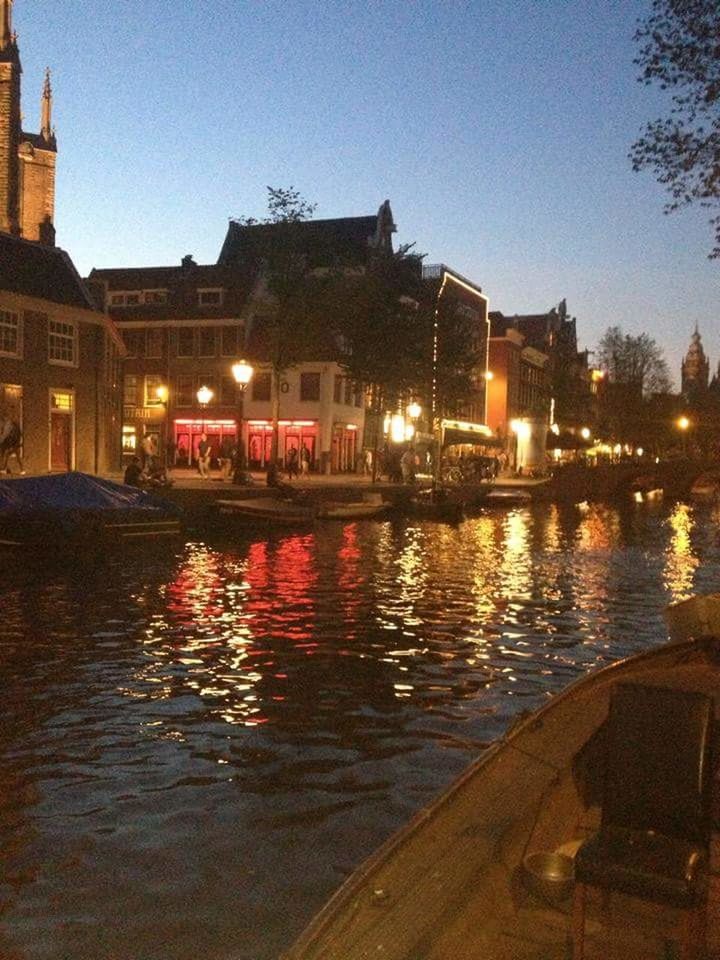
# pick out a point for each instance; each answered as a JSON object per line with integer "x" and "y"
{"x": 498, "y": 129}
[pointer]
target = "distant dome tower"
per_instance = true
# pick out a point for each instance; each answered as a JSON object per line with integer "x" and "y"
{"x": 695, "y": 368}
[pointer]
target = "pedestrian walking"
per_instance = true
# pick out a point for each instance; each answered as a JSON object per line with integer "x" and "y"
{"x": 149, "y": 450}
{"x": 291, "y": 463}
{"x": 204, "y": 457}
{"x": 226, "y": 458}
{"x": 304, "y": 460}
{"x": 10, "y": 445}
{"x": 368, "y": 463}
{"x": 407, "y": 466}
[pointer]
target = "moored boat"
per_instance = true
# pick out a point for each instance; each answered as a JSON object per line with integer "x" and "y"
{"x": 452, "y": 884}
{"x": 266, "y": 510}
{"x": 371, "y": 507}
{"x": 501, "y": 496}
{"x": 51, "y": 511}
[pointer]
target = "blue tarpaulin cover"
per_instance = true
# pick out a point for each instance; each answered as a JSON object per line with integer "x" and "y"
{"x": 33, "y": 496}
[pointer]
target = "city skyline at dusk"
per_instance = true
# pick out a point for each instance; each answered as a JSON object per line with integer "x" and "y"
{"x": 499, "y": 133}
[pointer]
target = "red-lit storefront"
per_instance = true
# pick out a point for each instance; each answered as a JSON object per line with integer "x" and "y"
{"x": 293, "y": 433}
{"x": 344, "y": 448}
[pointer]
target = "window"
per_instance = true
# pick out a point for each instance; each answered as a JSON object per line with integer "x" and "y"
{"x": 206, "y": 342}
{"x": 210, "y": 298}
{"x": 261, "y": 385}
{"x": 130, "y": 390}
{"x": 134, "y": 340}
{"x": 10, "y": 334}
{"x": 117, "y": 299}
{"x": 62, "y": 343}
{"x": 309, "y": 386}
{"x": 132, "y": 299}
{"x": 228, "y": 391}
{"x": 348, "y": 392}
{"x": 153, "y": 343}
{"x": 229, "y": 346}
{"x": 186, "y": 342}
{"x": 155, "y": 296}
{"x": 357, "y": 395}
{"x": 152, "y": 382}
{"x": 337, "y": 388}
{"x": 184, "y": 392}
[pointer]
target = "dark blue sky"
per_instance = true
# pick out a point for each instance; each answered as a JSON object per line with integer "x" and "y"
{"x": 499, "y": 130}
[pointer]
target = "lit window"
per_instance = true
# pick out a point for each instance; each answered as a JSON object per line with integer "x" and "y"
{"x": 10, "y": 334}
{"x": 129, "y": 439}
{"x": 152, "y": 382}
{"x": 62, "y": 343}
{"x": 61, "y": 401}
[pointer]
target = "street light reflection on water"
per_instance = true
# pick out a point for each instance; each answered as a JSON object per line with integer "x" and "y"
{"x": 226, "y": 731}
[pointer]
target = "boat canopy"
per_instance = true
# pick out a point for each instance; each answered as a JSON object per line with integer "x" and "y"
{"x": 75, "y": 491}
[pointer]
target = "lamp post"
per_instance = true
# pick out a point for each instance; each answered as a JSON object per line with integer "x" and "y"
{"x": 162, "y": 393}
{"x": 683, "y": 424}
{"x": 204, "y": 396}
{"x": 242, "y": 371}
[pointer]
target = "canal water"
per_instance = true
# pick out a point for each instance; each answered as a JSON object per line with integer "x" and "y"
{"x": 198, "y": 744}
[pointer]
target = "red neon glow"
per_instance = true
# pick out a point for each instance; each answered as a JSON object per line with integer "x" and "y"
{"x": 205, "y": 423}
{"x": 282, "y": 423}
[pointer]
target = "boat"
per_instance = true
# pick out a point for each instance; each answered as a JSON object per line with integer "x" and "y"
{"x": 49, "y": 512}
{"x": 706, "y": 487}
{"x": 501, "y": 496}
{"x": 456, "y": 882}
{"x": 371, "y": 507}
{"x": 266, "y": 510}
{"x": 442, "y": 504}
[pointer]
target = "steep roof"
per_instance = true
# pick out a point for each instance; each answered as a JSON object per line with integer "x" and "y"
{"x": 345, "y": 240}
{"x": 46, "y": 273}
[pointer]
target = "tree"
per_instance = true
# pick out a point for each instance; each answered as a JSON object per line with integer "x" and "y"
{"x": 286, "y": 288}
{"x": 636, "y": 372}
{"x": 680, "y": 51}
{"x": 373, "y": 314}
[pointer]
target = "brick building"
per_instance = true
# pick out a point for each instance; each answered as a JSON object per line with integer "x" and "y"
{"x": 27, "y": 160}
{"x": 59, "y": 361}
{"x": 185, "y": 325}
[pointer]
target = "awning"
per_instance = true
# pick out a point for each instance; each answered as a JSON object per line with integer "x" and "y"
{"x": 454, "y": 435}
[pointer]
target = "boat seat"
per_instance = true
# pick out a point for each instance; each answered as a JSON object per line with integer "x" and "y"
{"x": 656, "y": 821}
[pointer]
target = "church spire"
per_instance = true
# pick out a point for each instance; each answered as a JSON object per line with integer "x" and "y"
{"x": 6, "y": 33}
{"x": 46, "y": 112}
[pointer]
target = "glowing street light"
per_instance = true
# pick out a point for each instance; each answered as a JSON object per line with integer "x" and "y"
{"x": 683, "y": 424}
{"x": 585, "y": 433}
{"x": 162, "y": 393}
{"x": 414, "y": 410}
{"x": 204, "y": 395}
{"x": 242, "y": 372}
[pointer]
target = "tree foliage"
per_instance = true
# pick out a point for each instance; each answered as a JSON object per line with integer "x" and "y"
{"x": 680, "y": 51}
{"x": 286, "y": 288}
{"x": 634, "y": 361}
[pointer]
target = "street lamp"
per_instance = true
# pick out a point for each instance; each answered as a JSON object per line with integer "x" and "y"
{"x": 162, "y": 393}
{"x": 242, "y": 371}
{"x": 414, "y": 410}
{"x": 683, "y": 424}
{"x": 204, "y": 396}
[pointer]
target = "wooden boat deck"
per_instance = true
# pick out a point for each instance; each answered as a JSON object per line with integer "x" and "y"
{"x": 452, "y": 888}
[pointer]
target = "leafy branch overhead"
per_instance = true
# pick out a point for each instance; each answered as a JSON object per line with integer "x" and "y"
{"x": 680, "y": 52}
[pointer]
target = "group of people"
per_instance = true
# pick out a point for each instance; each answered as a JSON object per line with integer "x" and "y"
{"x": 10, "y": 444}
{"x": 297, "y": 464}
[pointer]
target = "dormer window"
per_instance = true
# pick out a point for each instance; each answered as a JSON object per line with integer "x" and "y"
{"x": 210, "y": 297}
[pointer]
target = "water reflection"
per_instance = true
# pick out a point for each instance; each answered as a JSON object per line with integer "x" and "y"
{"x": 180, "y": 731}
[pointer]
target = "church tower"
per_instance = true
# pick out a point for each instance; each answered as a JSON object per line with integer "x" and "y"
{"x": 27, "y": 160}
{"x": 695, "y": 369}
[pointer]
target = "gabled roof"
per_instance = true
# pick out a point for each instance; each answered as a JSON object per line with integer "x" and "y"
{"x": 32, "y": 269}
{"x": 153, "y": 278}
{"x": 325, "y": 242}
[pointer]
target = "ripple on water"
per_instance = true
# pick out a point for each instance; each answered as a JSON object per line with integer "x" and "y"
{"x": 206, "y": 742}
